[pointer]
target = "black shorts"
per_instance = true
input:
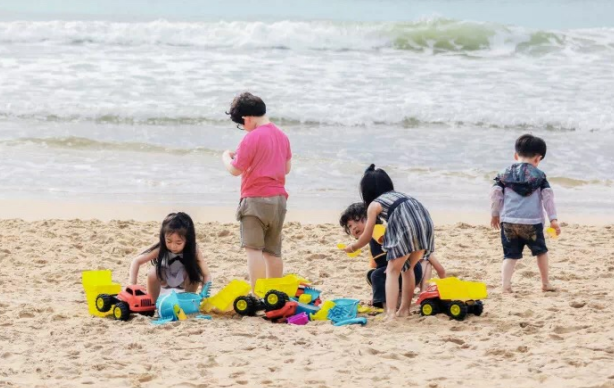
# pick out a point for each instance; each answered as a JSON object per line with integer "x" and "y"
{"x": 514, "y": 237}
{"x": 377, "y": 280}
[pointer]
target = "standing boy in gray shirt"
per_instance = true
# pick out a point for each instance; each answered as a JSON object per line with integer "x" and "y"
{"x": 518, "y": 199}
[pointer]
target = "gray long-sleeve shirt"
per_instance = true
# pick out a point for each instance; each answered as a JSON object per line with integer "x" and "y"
{"x": 520, "y": 195}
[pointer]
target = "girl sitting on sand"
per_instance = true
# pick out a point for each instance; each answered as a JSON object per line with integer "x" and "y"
{"x": 409, "y": 235}
{"x": 178, "y": 263}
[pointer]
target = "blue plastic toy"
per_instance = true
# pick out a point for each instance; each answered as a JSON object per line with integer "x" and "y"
{"x": 352, "y": 321}
{"x": 174, "y": 306}
{"x": 344, "y": 309}
{"x": 315, "y": 294}
{"x": 307, "y": 309}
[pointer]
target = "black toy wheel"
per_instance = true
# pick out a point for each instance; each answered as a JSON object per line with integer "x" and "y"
{"x": 274, "y": 300}
{"x": 457, "y": 310}
{"x": 104, "y": 302}
{"x": 245, "y": 305}
{"x": 121, "y": 312}
{"x": 477, "y": 308}
{"x": 429, "y": 307}
{"x": 149, "y": 313}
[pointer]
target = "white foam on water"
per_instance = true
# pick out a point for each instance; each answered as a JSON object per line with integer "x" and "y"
{"x": 437, "y": 102}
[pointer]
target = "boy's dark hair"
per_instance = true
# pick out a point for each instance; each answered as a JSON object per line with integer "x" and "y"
{"x": 374, "y": 183}
{"x": 182, "y": 224}
{"x": 529, "y": 146}
{"x": 246, "y": 104}
{"x": 355, "y": 212}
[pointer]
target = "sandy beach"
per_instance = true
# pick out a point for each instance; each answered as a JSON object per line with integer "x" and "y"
{"x": 47, "y": 338}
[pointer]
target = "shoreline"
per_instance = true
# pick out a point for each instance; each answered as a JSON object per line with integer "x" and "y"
{"x": 36, "y": 210}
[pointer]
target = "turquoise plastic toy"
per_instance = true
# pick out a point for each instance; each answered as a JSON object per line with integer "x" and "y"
{"x": 315, "y": 294}
{"x": 344, "y": 309}
{"x": 307, "y": 309}
{"x": 174, "y": 306}
{"x": 352, "y": 321}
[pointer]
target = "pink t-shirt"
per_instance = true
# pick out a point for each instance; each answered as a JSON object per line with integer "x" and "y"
{"x": 262, "y": 156}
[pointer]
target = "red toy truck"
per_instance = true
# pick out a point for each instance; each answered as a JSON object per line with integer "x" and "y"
{"x": 133, "y": 299}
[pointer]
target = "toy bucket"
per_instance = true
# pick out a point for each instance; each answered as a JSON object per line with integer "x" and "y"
{"x": 344, "y": 309}
{"x": 189, "y": 302}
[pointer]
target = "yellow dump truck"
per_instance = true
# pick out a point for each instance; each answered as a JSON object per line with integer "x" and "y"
{"x": 273, "y": 294}
{"x": 453, "y": 296}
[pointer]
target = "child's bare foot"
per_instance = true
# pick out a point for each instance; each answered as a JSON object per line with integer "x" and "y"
{"x": 403, "y": 313}
{"x": 548, "y": 288}
{"x": 390, "y": 317}
{"x": 508, "y": 290}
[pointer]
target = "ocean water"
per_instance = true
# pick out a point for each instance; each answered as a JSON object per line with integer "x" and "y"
{"x": 125, "y": 101}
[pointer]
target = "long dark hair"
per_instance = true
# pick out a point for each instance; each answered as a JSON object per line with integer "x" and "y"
{"x": 374, "y": 183}
{"x": 182, "y": 224}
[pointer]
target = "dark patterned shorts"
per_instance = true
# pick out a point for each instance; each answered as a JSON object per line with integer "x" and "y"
{"x": 514, "y": 237}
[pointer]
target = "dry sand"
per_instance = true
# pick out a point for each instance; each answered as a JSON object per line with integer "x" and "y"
{"x": 47, "y": 338}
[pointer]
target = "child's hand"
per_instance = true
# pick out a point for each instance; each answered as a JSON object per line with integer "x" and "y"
{"x": 554, "y": 224}
{"x": 349, "y": 249}
{"x": 495, "y": 222}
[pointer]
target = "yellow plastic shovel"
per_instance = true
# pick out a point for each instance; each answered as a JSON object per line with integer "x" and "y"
{"x": 353, "y": 254}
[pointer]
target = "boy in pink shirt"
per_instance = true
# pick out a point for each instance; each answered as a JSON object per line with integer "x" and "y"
{"x": 263, "y": 159}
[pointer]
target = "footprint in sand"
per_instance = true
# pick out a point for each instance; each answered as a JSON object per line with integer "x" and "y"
{"x": 524, "y": 314}
{"x": 500, "y": 352}
{"x": 59, "y": 317}
{"x": 410, "y": 354}
{"x": 597, "y": 306}
{"x": 391, "y": 356}
{"x": 457, "y": 341}
{"x": 26, "y": 314}
{"x": 577, "y": 304}
{"x": 567, "y": 330}
{"x": 372, "y": 351}
{"x": 315, "y": 256}
{"x": 145, "y": 378}
{"x": 135, "y": 345}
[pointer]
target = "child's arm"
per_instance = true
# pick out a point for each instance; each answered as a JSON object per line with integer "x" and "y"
{"x": 289, "y": 159}
{"x": 227, "y": 158}
{"x": 138, "y": 261}
{"x": 372, "y": 213}
{"x": 203, "y": 267}
{"x": 496, "y": 204}
{"x": 548, "y": 200}
{"x": 288, "y": 166}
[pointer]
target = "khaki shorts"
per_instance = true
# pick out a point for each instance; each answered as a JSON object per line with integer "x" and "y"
{"x": 262, "y": 219}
